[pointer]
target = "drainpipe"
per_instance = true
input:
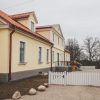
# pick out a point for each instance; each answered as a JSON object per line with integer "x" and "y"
{"x": 10, "y": 54}
{"x": 64, "y": 58}
{"x": 51, "y": 59}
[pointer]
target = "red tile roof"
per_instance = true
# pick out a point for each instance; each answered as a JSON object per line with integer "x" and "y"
{"x": 21, "y": 27}
{"x": 43, "y": 27}
{"x": 19, "y": 16}
{"x": 23, "y": 15}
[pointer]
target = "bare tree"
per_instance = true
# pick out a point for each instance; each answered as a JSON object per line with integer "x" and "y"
{"x": 91, "y": 48}
{"x": 73, "y": 46}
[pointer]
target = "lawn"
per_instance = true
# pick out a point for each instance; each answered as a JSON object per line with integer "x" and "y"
{"x": 7, "y": 89}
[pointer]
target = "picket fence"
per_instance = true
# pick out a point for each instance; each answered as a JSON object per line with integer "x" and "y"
{"x": 74, "y": 78}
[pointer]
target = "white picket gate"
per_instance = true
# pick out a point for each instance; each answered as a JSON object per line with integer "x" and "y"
{"x": 75, "y": 78}
{"x": 57, "y": 77}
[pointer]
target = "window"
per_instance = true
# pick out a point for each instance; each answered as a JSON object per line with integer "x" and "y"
{"x": 32, "y": 26}
{"x": 22, "y": 52}
{"x": 53, "y": 37}
{"x": 53, "y": 56}
{"x": 40, "y": 55}
{"x": 47, "y": 55}
{"x": 62, "y": 43}
{"x": 58, "y": 40}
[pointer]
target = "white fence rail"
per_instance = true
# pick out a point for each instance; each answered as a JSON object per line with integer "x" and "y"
{"x": 87, "y": 67}
{"x": 57, "y": 78}
{"x": 75, "y": 78}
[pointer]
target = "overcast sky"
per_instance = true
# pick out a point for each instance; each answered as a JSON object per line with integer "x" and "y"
{"x": 78, "y": 18}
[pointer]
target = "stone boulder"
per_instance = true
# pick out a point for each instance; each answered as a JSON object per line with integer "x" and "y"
{"x": 16, "y": 95}
{"x": 32, "y": 91}
{"x": 46, "y": 85}
{"x": 41, "y": 88}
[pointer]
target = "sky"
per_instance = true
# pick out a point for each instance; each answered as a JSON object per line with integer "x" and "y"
{"x": 78, "y": 18}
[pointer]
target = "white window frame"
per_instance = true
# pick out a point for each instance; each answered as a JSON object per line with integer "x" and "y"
{"x": 25, "y": 56}
{"x": 30, "y": 20}
{"x": 47, "y": 55}
{"x": 40, "y": 59}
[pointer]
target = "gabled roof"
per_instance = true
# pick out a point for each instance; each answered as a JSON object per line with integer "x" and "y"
{"x": 24, "y": 15}
{"x": 8, "y": 19}
{"x": 58, "y": 29}
{"x": 50, "y": 27}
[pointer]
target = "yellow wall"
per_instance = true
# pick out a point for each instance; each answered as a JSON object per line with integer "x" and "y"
{"x": 4, "y": 50}
{"x": 58, "y": 47}
{"x": 49, "y": 35}
{"x": 31, "y": 58}
{"x": 32, "y": 18}
{"x": 45, "y": 33}
{"x": 25, "y": 22}
{"x": 31, "y": 53}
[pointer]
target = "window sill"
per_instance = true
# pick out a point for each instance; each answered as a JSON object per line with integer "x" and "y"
{"x": 22, "y": 63}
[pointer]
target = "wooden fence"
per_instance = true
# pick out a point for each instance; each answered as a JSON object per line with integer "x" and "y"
{"x": 74, "y": 78}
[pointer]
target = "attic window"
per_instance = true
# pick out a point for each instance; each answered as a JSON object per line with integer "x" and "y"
{"x": 32, "y": 26}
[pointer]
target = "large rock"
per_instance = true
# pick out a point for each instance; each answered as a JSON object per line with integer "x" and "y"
{"x": 41, "y": 88}
{"x": 46, "y": 85}
{"x": 32, "y": 91}
{"x": 16, "y": 95}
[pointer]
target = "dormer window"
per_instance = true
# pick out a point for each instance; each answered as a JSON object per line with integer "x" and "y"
{"x": 32, "y": 26}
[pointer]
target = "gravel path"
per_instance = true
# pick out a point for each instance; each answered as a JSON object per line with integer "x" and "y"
{"x": 55, "y": 92}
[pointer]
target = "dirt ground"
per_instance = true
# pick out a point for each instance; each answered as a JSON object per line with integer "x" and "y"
{"x": 7, "y": 89}
{"x": 55, "y": 92}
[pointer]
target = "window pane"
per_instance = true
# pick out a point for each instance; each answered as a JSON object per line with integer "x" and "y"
{"x": 40, "y": 54}
{"x": 53, "y": 56}
{"x": 22, "y": 51}
{"x": 32, "y": 26}
{"x": 47, "y": 55}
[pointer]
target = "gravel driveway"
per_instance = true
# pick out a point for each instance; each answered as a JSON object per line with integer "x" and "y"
{"x": 55, "y": 92}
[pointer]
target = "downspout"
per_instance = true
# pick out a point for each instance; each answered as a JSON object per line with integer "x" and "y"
{"x": 51, "y": 59}
{"x": 64, "y": 58}
{"x": 10, "y": 54}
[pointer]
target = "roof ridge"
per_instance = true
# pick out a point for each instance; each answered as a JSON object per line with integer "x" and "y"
{"x": 22, "y": 13}
{"x": 18, "y": 25}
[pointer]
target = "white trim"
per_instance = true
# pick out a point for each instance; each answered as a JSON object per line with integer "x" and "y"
{"x": 30, "y": 20}
{"x": 22, "y": 40}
